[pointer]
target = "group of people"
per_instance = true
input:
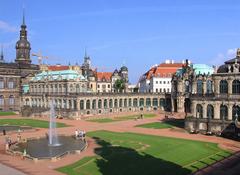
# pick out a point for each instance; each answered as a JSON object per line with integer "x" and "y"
{"x": 140, "y": 117}
{"x": 79, "y": 134}
{"x": 8, "y": 140}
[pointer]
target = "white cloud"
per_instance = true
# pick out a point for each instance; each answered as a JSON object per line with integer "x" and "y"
{"x": 4, "y": 26}
{"x": 222, "y": 57}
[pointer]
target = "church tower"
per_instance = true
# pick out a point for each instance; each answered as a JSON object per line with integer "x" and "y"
{"x": 1, "y": 55}
{"x": 23, "y": 46}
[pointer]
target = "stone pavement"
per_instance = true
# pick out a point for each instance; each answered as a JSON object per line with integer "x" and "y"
{"x": 47, "y": 167}
{"x": 9, "y": 171}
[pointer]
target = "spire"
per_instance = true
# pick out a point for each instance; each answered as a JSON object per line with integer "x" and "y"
{"x": 85, "y": 50}
{"x": 1, "y": 56}
{"x": 23, "y": 20}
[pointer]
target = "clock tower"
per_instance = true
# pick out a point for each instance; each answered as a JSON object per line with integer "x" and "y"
{"x": 23, "y": 46}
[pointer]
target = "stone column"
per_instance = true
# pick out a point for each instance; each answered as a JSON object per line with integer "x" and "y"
{"x": 230, "y": 111}
{"x": 204, "y": 110}
{"x": 230, "y": 86}
{"x": 204, "y": 87}
{"x": 216, "y": 86}
{"x": 193, "y": 109}
{"x": 78, "y": 105}
{"x": 216, "y": 111}
{"x": 194, "y": 87}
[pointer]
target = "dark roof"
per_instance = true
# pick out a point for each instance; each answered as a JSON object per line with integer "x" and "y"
{"x": 232, "y": 61}
{"x": 223, "y": 69}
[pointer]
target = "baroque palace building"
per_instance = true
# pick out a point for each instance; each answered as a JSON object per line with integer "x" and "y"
{"x": 209, "y": 97}
{"x": 14, "y": 76}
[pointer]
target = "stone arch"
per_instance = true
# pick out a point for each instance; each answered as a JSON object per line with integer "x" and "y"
{"x": 11, "y": 100}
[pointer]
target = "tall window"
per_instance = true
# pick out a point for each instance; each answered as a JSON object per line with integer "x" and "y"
{"x": 223, "y": 112}
{"x": 199, "y": 86}
{"x": 11, "y": 100}
{"x": 110, "y": 103}
{"x": 81, "y": 104}
{"x": 148, "y": 102}
{"x": 10, "y": 84}
{"x": 187, "y": 86}
{"x": 105, "y": 103}
{"x": 223, "y": 87}
{"x": 199, "y": 110}
{"x": 88, "y": 104}
{"x": 210, "y": 111}
{"x": 94, "y": 104}
{"x": 1, "y": 83}
{"x": 235, "y": 112}
{"x": 135, "y": 102}
{"x": 115, "y": 103}
{"x": 99, "y": 103}
{"x": 155, "y": 102}
{"x": 236, "y": 87}
{"x": 1, "y": 100}
{"x": 129, "y": 102}
{"x": 209, "y": 87}
{"x": 141, "y": 102}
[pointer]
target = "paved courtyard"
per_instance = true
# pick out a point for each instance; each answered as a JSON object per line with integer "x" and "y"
{"x": 47, "y": 167}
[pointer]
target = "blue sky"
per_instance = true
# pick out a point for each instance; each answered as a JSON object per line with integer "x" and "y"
{"x": 137, "y": 33}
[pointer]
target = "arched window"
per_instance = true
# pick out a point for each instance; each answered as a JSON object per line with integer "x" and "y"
{"x": 81, "y": 104}
{"x": 209, "y": 87}
{"x": 199, "y": 86}
{"x": 1, "y": 100}
{"x": 210, "y": 111}
{"x": 223, "y": 87}
{"x": 236, "y": 87}
{"x": 223, "y": 112}
{"x": 129, "y": 102}
{"x": 120, "y": 103}
{"x": 99, "y": 103}
{"x": 199, "y": 111}
{"x": 115, "y": 103}
{"x": 141, "y": 102}
{"x": 155, "y": 102}
{"x": 71, "y": 88}
{"x": 235, "y": 112}
{"x": 11, "y": 100}
{"x": 94, "y": 104}
{"x": 110, "y": 103}
{"x": 105, "y": 103}
{"x": 125, "y": 102}
{"x": 60, "y": 88}
{"x": 88, "y": 104}
{"x": 135, "y": 102}
{"x": 148, "y": 102}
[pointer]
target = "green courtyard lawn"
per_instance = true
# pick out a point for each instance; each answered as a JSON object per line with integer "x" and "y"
{"x": 120, "y": 118}
{"x": 29, "y": 122}
{"x": 164, "y": 124}
{"x": 133, "y": 154}
{"x": 5, "y": 113}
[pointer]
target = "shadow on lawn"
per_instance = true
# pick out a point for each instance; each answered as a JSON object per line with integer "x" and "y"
{"x": 120, "y": 160}
{"x": 175, "y": 122}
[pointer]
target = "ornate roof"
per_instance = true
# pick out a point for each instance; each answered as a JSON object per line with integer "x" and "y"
{"x": 104, "y": 76}
{"x": 199, "y": 69}
{"x": 59, "y": 75}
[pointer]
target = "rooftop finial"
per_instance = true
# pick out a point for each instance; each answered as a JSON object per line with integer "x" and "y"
{"x": 23, "y": 20}
{"x": 85, "y": 50}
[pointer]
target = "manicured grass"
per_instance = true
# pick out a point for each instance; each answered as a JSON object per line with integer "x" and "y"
{"x": 3, "y": 113}
{"x": 165, "y": 124}
{"x": 132, "y": 154}
{"x": 29, "y": 122}
{"x": 122, "y": 118}
{"x": 155, "y": 125}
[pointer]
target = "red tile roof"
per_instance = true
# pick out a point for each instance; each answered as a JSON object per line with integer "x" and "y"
{"x": 58, "y": 67}
{"x": 163, "y": 70}
{"x": 101, "y": 76}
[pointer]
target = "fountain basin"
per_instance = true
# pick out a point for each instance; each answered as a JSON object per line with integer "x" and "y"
{"x": 40, "y": 149}
{"x": 13, "y": 128}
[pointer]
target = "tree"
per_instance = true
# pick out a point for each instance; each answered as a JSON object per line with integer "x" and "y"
{"x": 119, "y": 85}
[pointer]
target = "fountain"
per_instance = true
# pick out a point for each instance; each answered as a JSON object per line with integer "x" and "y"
{"x": 53, "y": 138}
{"x": 51, "y": 147}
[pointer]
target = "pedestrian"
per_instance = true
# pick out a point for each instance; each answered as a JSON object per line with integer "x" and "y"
{"x": 76, "y": 133}
{"x": 18, "y": 137}
{"x": 4, "y": 132}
